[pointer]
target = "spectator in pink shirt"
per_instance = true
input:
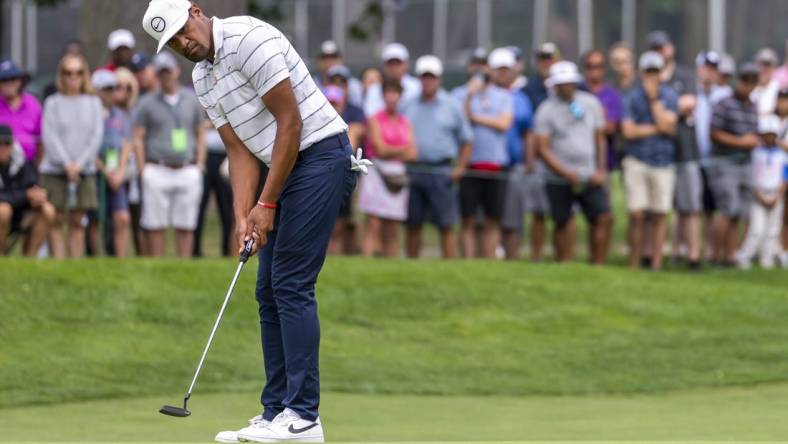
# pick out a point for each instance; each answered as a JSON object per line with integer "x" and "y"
{"x": 781, "y": 73}
{"x": 20, "y": 110}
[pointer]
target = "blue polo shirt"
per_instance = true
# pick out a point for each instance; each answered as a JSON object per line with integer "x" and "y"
{"x": 489, "y": 145}
{"x": 659, "y": 150}
{"x": 523, "y": 120}
{"x": 439, "y": 126}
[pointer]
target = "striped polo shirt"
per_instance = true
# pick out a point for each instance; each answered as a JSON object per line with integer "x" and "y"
{"x": 251, "y": 58}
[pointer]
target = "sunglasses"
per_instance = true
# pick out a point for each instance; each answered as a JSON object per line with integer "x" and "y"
{"x": 595, "y": 66}
{"x": 73, "y": 73}
{"x": 748, "y": 79}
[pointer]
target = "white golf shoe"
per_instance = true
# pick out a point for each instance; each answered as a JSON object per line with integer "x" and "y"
{"x": 286, "y": 427}
{"x": 232, "y": 435}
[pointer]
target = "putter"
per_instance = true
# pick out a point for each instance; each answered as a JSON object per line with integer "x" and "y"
{"x": 182, "y": 412}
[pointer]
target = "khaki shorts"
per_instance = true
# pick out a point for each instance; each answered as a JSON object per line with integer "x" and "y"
{"x": 57, "y": 191}
{"x": 171, "y": 197}
{"x": 648, "y": 188}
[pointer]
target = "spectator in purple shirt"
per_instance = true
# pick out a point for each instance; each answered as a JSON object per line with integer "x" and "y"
{"x": 20, "y": 110}
{"x": 594, "y": 68}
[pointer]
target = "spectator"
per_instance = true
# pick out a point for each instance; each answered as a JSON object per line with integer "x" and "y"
{"x": 726, "y": 70}
{"x": 344, "y": 239}
{"x": 23, "y": 204}
{"x": 622, "y": 60}
{"x": 490, "y": 111}
{"x": 330, "y": 57}
{"x": 72, "y": 132}
{"x": 121, "y": 47}
{"x": 395, "y": 66}
{"x": 649, "y": 125}
{"x": 213, "y": 182}
{"x": 143, "y": 70}
{"x": 443, "y": 137}
{"x": 764, "y": 96}
{"x": 516, "y": 203}
{"x": 689, "y": 181}
{"x": 169, "y": 135}
{"x": 782, "y": 113}
{"x": 734, "y": 126}
{"x": 766, "y": 210}
{"x": 546, "y": 55}
{"x": 370, "y": 76}
{"x": 20, "y": 110}
{"x": 595, "y": 65}
{"x": 570, "y": 133}
{"x": 384, "y": 192}
{"x": 111, "y": 163}
{"x": 477, "y": 64}
{"x": 677, "y": 77}
{"x": 73, "y": 47}
{"x": 781, "y": 73}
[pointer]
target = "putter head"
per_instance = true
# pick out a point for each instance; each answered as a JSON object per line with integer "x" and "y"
{"x": 178, "y": 412}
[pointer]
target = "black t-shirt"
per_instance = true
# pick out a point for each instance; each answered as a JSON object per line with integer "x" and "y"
{"x": 686, "y": 142}
{"x": 353, "y": 114}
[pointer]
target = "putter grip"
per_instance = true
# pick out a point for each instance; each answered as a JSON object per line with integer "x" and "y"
{"x": 247, "y": 250}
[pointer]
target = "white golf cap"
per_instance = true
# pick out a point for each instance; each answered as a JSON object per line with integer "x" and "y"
{"x": 562, "y": 73}
{"x": 329, "y": 48}
{"x": 769, "y": 124}
{"x": 164, "y": 18}
{"x": 164, "y": 60}
{"x": 395, "y": 51}
{"x": 767, "y": 56}
{"x": 651, "y": 60}
{"x": 104, "y": 78}
{"x": 429, "y": 64}
{"x": 501, "y": 58}
{"x": 120, "y": 38}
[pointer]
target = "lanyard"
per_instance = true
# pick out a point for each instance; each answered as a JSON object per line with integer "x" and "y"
{"x": 173, "y": 109}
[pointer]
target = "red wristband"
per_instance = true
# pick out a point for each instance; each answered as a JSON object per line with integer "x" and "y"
{"x": 270, "y": 206}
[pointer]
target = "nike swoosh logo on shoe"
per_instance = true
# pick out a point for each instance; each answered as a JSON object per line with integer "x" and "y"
{"x": 295, "y": 431}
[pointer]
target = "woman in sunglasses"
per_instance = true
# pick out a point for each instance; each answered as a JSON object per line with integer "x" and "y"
{"x": 73, "y": 127}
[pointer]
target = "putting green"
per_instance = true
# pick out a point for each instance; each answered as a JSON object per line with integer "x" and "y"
{"x": 731, "y": 414}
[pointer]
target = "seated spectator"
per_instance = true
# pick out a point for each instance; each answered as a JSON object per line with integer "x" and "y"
{"x": 73, "y": 126}
{"x": 570, "y": 134}
{"x": 443, "y": 137}
{"x": 734, "y": 126}
{"x": 768, "y": 188}
{"x": 490, "y": 111}
{"x": 384, "y": 191}
{"x": 19, "y": 110}
{"x": 649, "y": 126}
{"x": 23, "y": 204}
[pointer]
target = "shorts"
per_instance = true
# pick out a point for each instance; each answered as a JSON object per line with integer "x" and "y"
{"x": 375, "y": 199}
{"x": 19, "y": 219}
{"x": 114, "y": 200}
{"x": 536, "y": 201}
{"x": 689, "y": 188}
{"x": 730, "y": 185}
{"x": 593, "y": 200}
{"x": 172, "y": 197}
{"x": 525, "y": 194}
{"x": 648, "y": 188}
{"x": 57, "y": 191}
{"x": 488, "y": 194}
{"x": 432, "y": 194}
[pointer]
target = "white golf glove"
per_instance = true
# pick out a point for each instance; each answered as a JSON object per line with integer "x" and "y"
{"x": 359, "y": 164}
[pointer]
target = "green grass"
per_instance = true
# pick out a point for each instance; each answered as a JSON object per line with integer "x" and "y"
{"x": 86, "y": 330}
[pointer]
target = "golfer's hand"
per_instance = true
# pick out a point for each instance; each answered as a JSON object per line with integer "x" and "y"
{"x": 259, "y": 223}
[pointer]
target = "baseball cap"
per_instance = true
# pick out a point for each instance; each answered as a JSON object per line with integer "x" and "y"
{"x": 562, "y": 73}
{"x": 501, "y": 58}
{"x": 395, "y": 51}
{"x": 429, "y": 64}
{"x": 479, "y": 55}
{"x": 708, "y": 58}
{"x": 164, "y": 18}
{"x": 748, "y": 69}
{"x": 104, "y": 78}
{"x": 766, "y": 56}
{"x": 547, "y": 49}
{"x": 651, "y": 60}
{"x": 657, "y": 39}
{"x": 140, "y": 61}
{"x": 329, "y": 48}
{"x": 164, "y": 60}
{"x": 727, "y": 65}
{"x": 6, "y": 134}
{"x": 334, "y": 94}
{"x": 768, "y": 124}
{"x": 518, "y": 53}
{"x": 339, "y": 71}
{"x": 120, "y": 38}
{"x": 10, "y": 70}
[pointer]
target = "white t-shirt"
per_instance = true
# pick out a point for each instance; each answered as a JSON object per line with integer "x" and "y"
{"x": 768, "y": 168}
{"x": 251, "y": 58}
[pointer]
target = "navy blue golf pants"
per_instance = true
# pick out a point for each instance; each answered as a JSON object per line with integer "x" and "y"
{"x": 289, "y": 265}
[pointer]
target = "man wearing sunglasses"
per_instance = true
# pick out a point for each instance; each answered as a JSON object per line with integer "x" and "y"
{"x": 266, "y": 106}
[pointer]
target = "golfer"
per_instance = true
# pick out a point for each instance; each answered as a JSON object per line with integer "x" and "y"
{"x": 265, "y": 105}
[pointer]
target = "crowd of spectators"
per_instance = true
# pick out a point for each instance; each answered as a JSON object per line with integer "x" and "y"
{"x": 117, "y": 156}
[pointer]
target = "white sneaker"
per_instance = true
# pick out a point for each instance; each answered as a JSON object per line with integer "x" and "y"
{"x": 286, "y": 427}
{"x": 232, "y": 435}
{"x": 742, "y": 262}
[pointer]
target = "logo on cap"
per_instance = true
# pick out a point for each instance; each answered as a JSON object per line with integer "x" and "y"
{"x": 158, "y": 24}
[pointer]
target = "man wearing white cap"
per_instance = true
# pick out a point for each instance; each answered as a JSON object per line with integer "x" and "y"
{"x": 649, "y": 127}
{"x": 266, "y": 106}
{"x": 764, "y": 96}
{"x": 395, "y": 58}
{"x": 329, "y": 57}
{"x": 121, "y": 44}
{"x": 570, "y": 133}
